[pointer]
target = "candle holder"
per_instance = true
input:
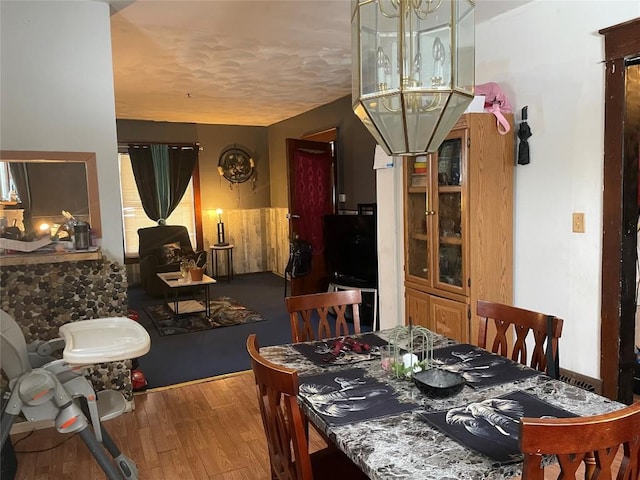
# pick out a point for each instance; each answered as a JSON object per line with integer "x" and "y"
{"x": 221, "y": 239}
{"x": 412, "y": 350}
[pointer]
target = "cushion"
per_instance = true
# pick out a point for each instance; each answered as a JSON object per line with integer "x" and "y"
{"x": 170, "y": 253}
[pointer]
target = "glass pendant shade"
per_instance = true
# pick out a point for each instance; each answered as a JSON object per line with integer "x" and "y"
{"x": 413, "y": 70}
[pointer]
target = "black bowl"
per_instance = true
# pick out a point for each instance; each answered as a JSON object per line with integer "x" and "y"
{"x": 438, "y": 383}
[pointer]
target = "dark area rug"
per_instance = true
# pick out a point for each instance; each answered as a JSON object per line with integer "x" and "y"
{"x": 225, "y": 312}
{"x": 176, "y": 359}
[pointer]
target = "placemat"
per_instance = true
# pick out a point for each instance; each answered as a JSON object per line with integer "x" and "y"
{"x": 479, "y": 367}
{"x": 321, "y": 352}
{"x": 491, "y": 427}
{"x": 349, "y": 396}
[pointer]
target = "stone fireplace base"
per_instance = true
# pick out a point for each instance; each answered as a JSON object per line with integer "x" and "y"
{"x": 44, "y": 291}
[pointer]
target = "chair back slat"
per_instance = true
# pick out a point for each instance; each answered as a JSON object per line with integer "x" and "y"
{"x": 591, "y": 442}
{"x": 513, "y": 327}
{"x": 330, "y": 309}
{"x": 500, "y": 344}
{"x": 305, "y": 325}
{"x": 284, "y": 425}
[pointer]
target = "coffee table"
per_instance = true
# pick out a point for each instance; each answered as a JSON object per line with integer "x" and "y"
{"x": 173, "y": 281}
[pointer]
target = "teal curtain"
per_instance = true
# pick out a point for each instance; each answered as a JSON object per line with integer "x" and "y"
{"x": 162, "y": 174}
{"x": 160, "y": 157}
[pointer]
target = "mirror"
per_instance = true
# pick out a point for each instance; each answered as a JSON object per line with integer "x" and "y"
{"x": 55, "y": 181}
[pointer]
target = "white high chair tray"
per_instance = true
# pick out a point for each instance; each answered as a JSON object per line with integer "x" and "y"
{"x": 103, "y": 340}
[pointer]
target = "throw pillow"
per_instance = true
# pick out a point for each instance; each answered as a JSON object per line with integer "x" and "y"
{"x": 170, "y": 253}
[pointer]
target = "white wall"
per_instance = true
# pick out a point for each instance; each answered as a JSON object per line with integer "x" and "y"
{"x": 547, "y": 55}
{"x": 389, "y": 198}
{"x": 57, "y": 91}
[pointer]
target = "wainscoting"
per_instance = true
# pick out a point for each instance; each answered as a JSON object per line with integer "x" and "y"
{"x": 260, "y": 236}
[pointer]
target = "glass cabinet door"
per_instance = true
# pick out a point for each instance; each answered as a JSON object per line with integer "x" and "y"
{"x": 450, "y": 221}
{"x": 417, "y": 185}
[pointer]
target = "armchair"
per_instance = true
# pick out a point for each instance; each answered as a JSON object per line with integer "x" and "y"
{"x": 161, "y": 249}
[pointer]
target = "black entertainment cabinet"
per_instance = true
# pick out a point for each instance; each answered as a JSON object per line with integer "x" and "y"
{"x": 351, "y": 256}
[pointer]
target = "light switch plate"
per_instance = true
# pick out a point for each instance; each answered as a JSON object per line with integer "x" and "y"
{"x": 578, "y": 222}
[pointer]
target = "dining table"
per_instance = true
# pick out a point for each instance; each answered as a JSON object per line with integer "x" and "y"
{"x": 392, "y": 430}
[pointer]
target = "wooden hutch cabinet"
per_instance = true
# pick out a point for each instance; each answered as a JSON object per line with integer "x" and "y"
{"x": 458, "y": 227}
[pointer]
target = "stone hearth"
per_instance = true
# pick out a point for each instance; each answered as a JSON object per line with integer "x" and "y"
{"x": 50, "y": 291}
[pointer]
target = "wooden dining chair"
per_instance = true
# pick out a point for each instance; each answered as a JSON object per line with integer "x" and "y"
{"x": 545, "y": 331}
{"x": 591, "y": 442}
{"x": 286, "y": 427}
{"x": 326, "y": 305}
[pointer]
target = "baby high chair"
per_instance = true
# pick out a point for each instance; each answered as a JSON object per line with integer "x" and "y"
{"x": 42, "y": 388}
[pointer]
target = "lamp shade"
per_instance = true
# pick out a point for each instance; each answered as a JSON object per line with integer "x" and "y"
{"x": 413, "y": 70}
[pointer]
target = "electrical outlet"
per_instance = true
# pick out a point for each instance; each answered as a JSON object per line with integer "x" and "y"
{"x": 342, "y": 198}
{"x": 578, "y": 222}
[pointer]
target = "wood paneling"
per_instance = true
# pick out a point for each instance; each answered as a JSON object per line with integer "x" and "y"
{"x": 260, "y": 236}
{"x": 278, "y": 239}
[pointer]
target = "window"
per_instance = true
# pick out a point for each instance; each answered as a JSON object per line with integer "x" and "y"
{"x": 133, "y": 216}
{"x": 6, "y": 183}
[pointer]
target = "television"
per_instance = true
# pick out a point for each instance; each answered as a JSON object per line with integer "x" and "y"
{"x": 351, "y": 250}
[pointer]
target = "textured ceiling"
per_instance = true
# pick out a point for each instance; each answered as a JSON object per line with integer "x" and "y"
{"x": 235, "y": 62}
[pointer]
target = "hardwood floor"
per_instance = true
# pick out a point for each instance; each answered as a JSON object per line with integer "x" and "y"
{"x": 210, "y": 430}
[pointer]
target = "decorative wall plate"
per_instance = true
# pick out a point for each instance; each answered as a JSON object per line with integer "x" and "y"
{"x": 236, "y": 165}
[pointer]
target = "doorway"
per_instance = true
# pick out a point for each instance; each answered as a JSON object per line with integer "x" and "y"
{"x": 312, "y": 194}
{"x": 620, "y": 210}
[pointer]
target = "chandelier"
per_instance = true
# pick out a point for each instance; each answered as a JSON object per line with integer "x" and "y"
{"x": 413, "y": 70}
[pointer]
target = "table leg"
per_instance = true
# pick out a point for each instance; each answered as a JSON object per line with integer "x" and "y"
{"x": 229, "y": 253}
{"x": 207, "y": 299}
{"x": 166, "y": 296}
{"x": 175, "y": 301}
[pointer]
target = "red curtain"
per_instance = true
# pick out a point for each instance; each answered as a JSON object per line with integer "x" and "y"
{"x": 313, "y": 197}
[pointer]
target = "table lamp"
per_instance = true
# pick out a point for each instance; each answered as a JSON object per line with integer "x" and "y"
{"x": 221, "y": 240}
